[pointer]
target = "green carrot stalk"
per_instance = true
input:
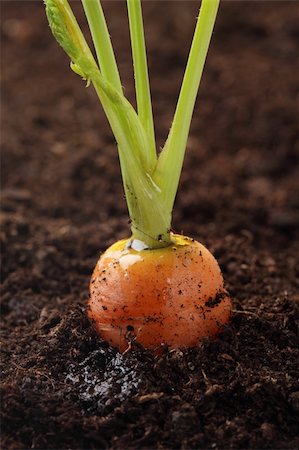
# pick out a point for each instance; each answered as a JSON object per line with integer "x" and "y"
{"x": 143, "y": 96}
{"x": 102, "y": 42}
{"x": 150, "y": 182}
{"x": 171, "y": 158}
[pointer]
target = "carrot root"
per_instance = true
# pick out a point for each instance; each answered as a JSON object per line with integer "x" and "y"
{"x": 173, "y": 296}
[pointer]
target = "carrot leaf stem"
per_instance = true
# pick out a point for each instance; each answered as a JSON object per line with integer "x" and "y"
{"x": 150, "y": 224}
{"x": 102, "y": 42}
{"x": 171, "y": 158}
{"x": 150, "y": 183}
{"x": 143, "y": 96}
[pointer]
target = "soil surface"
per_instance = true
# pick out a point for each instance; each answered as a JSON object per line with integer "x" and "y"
{"x": 63, "y": 204}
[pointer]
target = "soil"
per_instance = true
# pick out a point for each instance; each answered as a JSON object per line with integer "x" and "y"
{"x": 63, "y": 204}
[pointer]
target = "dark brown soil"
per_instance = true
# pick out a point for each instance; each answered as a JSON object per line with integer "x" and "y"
{"x": 62, "y": 204}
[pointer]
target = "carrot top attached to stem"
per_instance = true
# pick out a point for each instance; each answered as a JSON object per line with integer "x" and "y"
{"x": 150, "y": 180}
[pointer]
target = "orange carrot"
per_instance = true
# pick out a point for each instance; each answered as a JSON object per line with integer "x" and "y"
{"x": 155, "y": 288}
{"x": 173, "y": 296}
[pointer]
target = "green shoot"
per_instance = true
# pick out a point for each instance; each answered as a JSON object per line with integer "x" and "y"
{"x": 102, "y": 42}
{"x": 171, "y": 158}
{"x": 150, "y": 182}
{"x": 143, "y": 96}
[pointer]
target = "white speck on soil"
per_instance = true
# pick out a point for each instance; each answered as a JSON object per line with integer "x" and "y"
{"x": 103, "y": 383}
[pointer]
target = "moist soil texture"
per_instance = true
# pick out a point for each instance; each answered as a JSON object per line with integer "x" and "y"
{"x": 63, "y": 204}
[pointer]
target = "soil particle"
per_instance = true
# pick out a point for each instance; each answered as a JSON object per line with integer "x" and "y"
{"x": 62, "y": 205}
{"x": 212, "y": 302}
{"x": 294, "y": 400}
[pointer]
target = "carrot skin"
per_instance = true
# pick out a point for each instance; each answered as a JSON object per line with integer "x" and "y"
{"x": 173, "y": 296}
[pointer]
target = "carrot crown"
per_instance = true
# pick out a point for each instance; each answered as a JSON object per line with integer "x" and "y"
{"x": 150, "y": 180}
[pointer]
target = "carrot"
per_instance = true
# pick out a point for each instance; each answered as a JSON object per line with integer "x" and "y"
{"x": 174, "y": 295}
{"x": 155, "y": 287}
